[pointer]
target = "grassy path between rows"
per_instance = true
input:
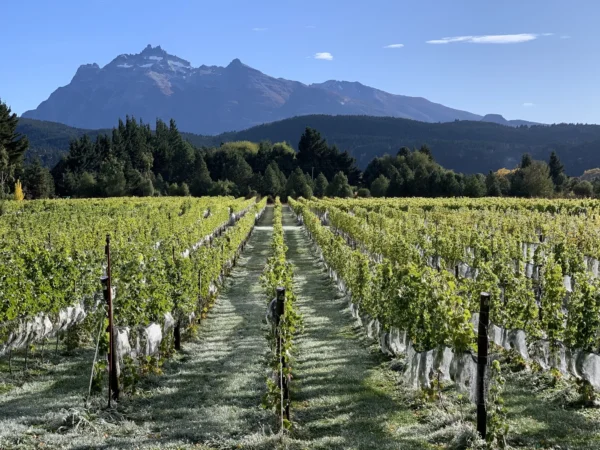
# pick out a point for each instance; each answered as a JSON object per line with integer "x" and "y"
{"x": 345, "y": 394}
{"x": 208, "y": 397}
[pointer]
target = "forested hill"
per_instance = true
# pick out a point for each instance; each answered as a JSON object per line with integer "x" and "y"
{"x": 463, "y": 146}
{"x": 50, "y": 140}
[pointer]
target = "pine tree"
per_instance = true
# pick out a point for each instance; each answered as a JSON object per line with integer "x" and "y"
{"x": 321, "y": 184}
{"x": 493, "y": 185}
{"x": 202, "y": 183}
{"x": 312, "y": 149}
{"x": 557, "y": 172}
{"x": 12, "y": 146}
{"x": 272, "y": 181}
{"x": 526, "y": 160}
{"x": 38, "y": 181}
{"x": 297, "y": 185}
{"x": 426, "y": 151}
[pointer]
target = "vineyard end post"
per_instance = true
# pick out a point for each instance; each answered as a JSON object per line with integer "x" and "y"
{"x": 482, "y": 359}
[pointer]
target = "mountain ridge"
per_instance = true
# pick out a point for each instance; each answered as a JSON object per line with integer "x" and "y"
{"x": 213, "y": 99}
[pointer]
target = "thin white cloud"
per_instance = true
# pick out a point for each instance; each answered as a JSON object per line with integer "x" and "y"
{"x": 324, "y": 55}
{"x": 394, "y": 46}
{"x": 259, "y": 29}
{"x": 547, "y": 34}
{"x": 488, "y": 39}
{"x": 528, "y": 104}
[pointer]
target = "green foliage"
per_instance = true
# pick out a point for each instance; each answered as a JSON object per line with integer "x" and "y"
{"x": 279, "y": 273}
{"x": 380, "y": 186}
{"x": 274, "y": 181}
{"x": 363, "y": 193}
{"x": 53, "y": 266}
{"x": 297, "y": 186}
{"x": 38, "y": 181}
{"x": 321, "y": 185}
{"x": 475, "y": 186}
{"x": 583, "y": 189}
{"x": 463, "y": 145}
{"x": 497, "y": 425}
{"x": 12, "y": 148}
{"x": 315, "y": 155}
{"x": 339, "y": 186}
{"x": 532, "y": 180}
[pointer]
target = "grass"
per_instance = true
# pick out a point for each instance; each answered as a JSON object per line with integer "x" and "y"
{"x": 344, "y": 394}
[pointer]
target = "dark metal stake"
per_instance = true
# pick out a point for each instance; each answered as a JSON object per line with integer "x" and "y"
{"x": 113, "y": 380}
{"x": 482, "y": 357}
{"x": 285, "y": 391}
{"x": 177, "y": 336}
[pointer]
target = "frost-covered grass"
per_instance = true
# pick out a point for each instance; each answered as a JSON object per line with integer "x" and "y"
{"x": 344, "y": 394}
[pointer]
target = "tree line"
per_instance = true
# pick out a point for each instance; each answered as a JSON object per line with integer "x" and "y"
{"x": 134, "y": 160}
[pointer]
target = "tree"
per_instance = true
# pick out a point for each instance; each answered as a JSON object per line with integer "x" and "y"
{"x": 184, "y": 190}
{"x": 557, "y": 171}
{"x": 404, "y": 151}
{"x": 363, "y": 192}
{"x": 339, "y": 186}
{"x": 19, "y": 196}
{"x": 526, "y": 160}
{"x": 272, "y": 180}
{"x": 493, "y": 185}
{"x": 534, "y": 180}
{"x": 202, "y": 182}
{"x": 38, "y": 181}
{"x": 12, "y": 146}
{"x": 138, "y": 184}
{"x": 239, "y": 172}
{"x": 222, "y": 188}
{"x": 86, "y": 185}
{"x": 321, "y": 184}
{"x": 583, "y": 189}
{"x": 312, "y": 149}
{"x": 314, "y": 155}
{"x": 475, "y": 185}
{"x": 426, "y": 151}
{"x": 297, "y": 185}
{"x": 380, "y": 186}
{"x": 111, "y": 179}
{"x": 451, "y": 185}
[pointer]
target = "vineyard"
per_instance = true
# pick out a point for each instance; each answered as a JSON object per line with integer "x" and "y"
{"x": 218, "y": 322}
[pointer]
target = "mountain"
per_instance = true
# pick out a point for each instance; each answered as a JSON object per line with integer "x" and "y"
{"x": 210, "y": 99}
{"x": 464, "y": 146}
{"x": 497, "y": 118}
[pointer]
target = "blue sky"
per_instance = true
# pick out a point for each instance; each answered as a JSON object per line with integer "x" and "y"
{"x": 530, "y": 59}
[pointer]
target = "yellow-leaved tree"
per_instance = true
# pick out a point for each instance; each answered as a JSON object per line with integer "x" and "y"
{"x": 19, "y": 196}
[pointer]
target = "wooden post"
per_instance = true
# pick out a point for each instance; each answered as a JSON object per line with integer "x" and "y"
{"x": 113, "y": 380}
{"x": 482, "y": 357}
